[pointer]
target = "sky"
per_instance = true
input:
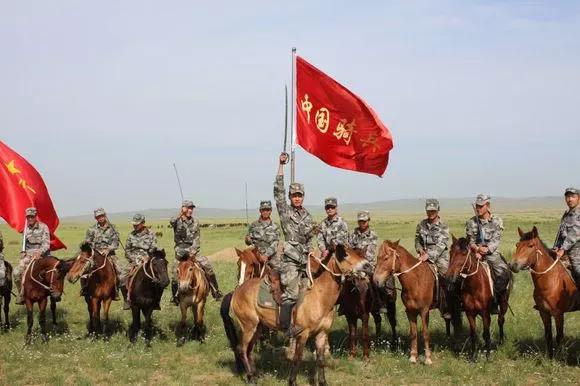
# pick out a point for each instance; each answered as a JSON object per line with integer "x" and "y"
{"x": 103, "y": 97}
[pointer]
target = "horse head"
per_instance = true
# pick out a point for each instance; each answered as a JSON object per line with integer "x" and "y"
{"x": 460, "y": 258}
{"x": 53, "y": 274}
{"x": 351, "y": 262}
{"x": 81, "y": 263}
{"x": 158, "y": 267}
{"x": 249, "y": 263}
{"x": 187, "y": 273}
{"x": 388, "y": 262}
{"x": 527, "y": 250}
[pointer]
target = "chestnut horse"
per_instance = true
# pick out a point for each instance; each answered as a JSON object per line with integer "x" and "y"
{"x": 192, "y": 293}
{"x": 101, "y": 283}
{"x": 313, "y": 316}
{"x": 6, "y": 294}
{"x": 476, "y": 292}
{"x": 554, "y": 290}
{"x": 42, "y": 278}
{"x": 418, "y": 289}
{"x": 250, "y": 264}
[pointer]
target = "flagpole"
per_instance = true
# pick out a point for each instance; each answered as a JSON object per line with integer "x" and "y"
{"x": 24, "y": 235}
{"x": 292, "y": 124}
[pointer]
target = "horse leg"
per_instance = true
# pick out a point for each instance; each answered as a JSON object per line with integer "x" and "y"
{"x": 559, "y": 319}
{"x": 182, "y": 327}
{"x": 7, "y": 310}
{"x": 547, "y": 320}
{"x": 200, "y": 325}
{"x": 136, "y": 324}
{"x": 320, "y": 342}
{"x": 365, "y": 334}
{"x": 148, "y": 313}
{"x": 29, "y": 321}
{"x": 300, "y": 341}
{"x": 472, "y": 337}
{"x": 352, "y": 325}
{"x": 503, "y": 308}
{"x": 392, "y": 316}
{"x": 106, "y": 307}
{"x": 42, "y": 319}
{"x": 426, "y": 337}
{"x": 248, "y": 332}
{"x": 251, "y": 345}
{"x": 99, "y": 327}
{"x": 412, "y": 316}
{"x": 53, "y": 311}
{"x": 448, "y": 328}
{"x": 92, "y": 317}
{"x": 486, "y": 332}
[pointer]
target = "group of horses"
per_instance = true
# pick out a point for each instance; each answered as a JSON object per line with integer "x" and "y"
{"x": 343, "y": 278}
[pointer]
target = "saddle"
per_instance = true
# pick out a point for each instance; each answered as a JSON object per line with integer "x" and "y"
{"x": 270, "y": 291}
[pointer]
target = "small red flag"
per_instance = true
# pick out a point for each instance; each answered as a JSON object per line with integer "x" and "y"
{"x": 337, "y": 126}
{"x": 22, "y": 187}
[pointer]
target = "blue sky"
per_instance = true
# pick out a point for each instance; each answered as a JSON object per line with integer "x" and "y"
{"x": 102, "y": 97}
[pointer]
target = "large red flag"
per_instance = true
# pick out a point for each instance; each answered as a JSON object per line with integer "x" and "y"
{"x": 21, "y": 187}
{"x": 337, "y": 126}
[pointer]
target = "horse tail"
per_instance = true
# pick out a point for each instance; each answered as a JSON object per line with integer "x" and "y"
{"x": 230, "y": 329}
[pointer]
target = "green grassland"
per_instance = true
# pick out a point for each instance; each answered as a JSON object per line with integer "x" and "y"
{"x": 71, "y": 358}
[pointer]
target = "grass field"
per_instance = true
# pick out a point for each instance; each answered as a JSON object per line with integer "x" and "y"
{"x": 70, "y": 358}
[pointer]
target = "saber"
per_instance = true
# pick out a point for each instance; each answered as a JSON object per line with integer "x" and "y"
{"x": 178, "y": 181}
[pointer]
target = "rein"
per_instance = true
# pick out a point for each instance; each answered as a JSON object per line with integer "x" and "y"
{"x": 467, "y": 258}
{"x": 538, "y": 253}
{"x": 51, "y": 271}
{"x": 152, "y": 275}
{"x": 397, "y": 256}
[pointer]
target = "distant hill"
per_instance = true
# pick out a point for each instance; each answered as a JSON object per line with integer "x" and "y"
{"x": 403, "y": 206}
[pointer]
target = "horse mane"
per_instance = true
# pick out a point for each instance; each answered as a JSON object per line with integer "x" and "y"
{"x": 86, "y": 247}
{"x": 461, "y": 243}
{"x": 248, "y": 256}
{"x": 396, "y": 245}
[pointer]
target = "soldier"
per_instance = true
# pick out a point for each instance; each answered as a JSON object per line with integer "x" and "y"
{"x": 36, "y": 245}
{"x": 431, "y": 244}
{"x": 141, "y": 242}
{"x": 298, "y": 228}
{"x": 2, "y": 265}
{"x": 263, "y": 233}
{"x": 568, "y": 238}
{"x": 104, "y": 238}
{"x": 484, "y": 235}
{"x": 365, "y": 239}
{"x": 187, "y": 244}
{"x": 333, "y": 229}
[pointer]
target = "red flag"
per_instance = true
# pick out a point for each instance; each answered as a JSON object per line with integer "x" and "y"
{"x": 337, "y": 126}
{"x": 22, "y": 187}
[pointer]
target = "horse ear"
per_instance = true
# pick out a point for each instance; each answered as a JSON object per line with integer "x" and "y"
{"x": 521, "y": 232}
{"x": 453, "y": 238}
{"x": 340, "y": 252}
{"x": 238, "y": 252}
{"x": 86, "y": 247}
{"x": 396, "y": 243}
{"x": 535, "y": 231}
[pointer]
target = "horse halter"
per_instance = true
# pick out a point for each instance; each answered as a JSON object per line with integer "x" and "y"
{"x": 151, "y": 275}
{"x": 467, "y": 258}
{"x": 397, "y": 256}
{"x": 538, "y": 253}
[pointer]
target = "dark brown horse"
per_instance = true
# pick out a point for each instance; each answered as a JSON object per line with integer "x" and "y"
{"x": 193, "y": 291}
{"x": 145, "y": 290}
{"x": 42, "y": 278}
{"x": 101, "y": 283}
{"x": 554, "y": 290}
{"x": 6, "y": 295}
{"x": 476, "y": 292}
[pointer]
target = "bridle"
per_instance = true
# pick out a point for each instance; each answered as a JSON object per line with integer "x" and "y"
{"x": 468, "y": 259}
{"x": 535, "y": 263}
{"x": 88, "y": 262}
{"x": 51, "y": 271}
{"x": 151, "y": 275}
{"x": 395, "y": 255}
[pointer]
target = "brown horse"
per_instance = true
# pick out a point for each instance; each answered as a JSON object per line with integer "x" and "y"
{"x": 250, "y": 264}
{"x": 554, "y": 290}
{"x": 476, "y": 292}
{"x": 313, "y": 316}
{"x": 193, "y": 291}
{"x": 42, "y": 278}
{"x": 6, "y": 294}
{"x": 418, "y": 289}
{"x": 101, "y": 284}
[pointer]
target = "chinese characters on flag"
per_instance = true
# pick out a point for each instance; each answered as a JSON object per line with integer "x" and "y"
{"x": 337, "y": 126}
{"x": 22, "y": 187}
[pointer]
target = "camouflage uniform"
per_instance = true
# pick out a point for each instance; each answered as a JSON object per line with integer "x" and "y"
{"x": 264, "y": 235}
{"x": 367, "y": 239}
{"x": 568, "y": 237}
{"x": 298, "y": 228}
{"x": 488, "y": 233}
{"x": 138, "y": 247}
{"x": 104, "y": 239}
{"x": 2, "y": 265}
{"x": 332, "y": 230}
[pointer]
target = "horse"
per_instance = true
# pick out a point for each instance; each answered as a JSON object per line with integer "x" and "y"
{"x": 250, "y": 264}
{"x": 313, "y": 315}
{"x": 6, "y": 294}
{"x": 476, "y": 292}
{"x": 101, "y": 283}
{"x": 418, "y": 290}
{"x": 42, "y": 278}
{"x": 360, "y": 298}
{"x": 193, "y": 291}
{"x": 555, "y": 292}
{"x": 146, "y": 287}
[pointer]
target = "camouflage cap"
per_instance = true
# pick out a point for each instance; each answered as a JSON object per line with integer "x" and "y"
{"x": 295, "y": 187}
{"x": 31, "y": 212}
{"x": 99, "y": 212}
{"x": 482, "y": 199}
{"x": 187, "y": 204}
{"x": 332, "y": 201}
{"x": 267, "y": 204}
{"x": 572, "y": 190}
{"x": 431, "y": 204}
{"x": 138, "y": 219}
{"x": 363, "y": 215}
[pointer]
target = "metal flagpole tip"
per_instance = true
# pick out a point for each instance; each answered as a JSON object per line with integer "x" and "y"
{"x": 293, "y": 49}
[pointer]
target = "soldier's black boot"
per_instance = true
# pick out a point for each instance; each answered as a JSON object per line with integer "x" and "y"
{"x": 174, "y": 288}
{"x": 215, "y": 292}
{"x": 286, "y": 319}
{"x": 126, "y": 304}
{"x": 444, "y": 299}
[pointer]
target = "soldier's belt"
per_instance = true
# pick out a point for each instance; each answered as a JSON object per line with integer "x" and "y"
{"x": 183, "y": 245}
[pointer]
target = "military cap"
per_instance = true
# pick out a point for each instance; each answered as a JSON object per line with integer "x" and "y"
{"x": 363, "y": 215}
{"x": 266, "y": 205}
{"x": 572, "y": 191}
{"x": 431, "y": 204}
{"x": 482, "y": 199}
{"x": 330, "y": 201}
{"x": 295, "y": 187}
{"x": 138, "y": 219}
{"x": 187, "y": 204}
{"x": 99, "y": 212}
{"x": 31, "y": 212}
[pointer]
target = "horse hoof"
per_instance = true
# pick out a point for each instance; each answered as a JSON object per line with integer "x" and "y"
{"x": 44, "y": 338}
{"x": 428, "y": 361}
{"x": 413, "y": 359}
{"x": 180, "y": 342}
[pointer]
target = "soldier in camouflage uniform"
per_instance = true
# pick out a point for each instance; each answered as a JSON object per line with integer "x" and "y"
{"x": 568, "y": 238}
{"x": 333, "y": 229}
{"x": 431, "y": 244}
{"x": 36, "y": 245}
{"x": 141, "y": 242}
{"x": 484, "y": 235}
{"x": 263, "y": 233}
{"x": 298, "y": 228}
{"x": 187, "y": 244}
{"x": 2, "y": 265}
{"x": 103, "y": 238}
